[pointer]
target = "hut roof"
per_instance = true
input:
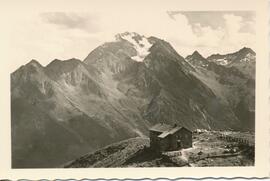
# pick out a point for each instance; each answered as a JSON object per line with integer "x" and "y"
{"x": 170, "y": 131}
{"x": 165, "y": 129}
{"x": 161, "y": 127}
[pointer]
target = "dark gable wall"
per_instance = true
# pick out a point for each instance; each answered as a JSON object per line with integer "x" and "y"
{"x": 185, "y": 137}
{"x": 165, "y": 143}
{"x": 154, "y": 140}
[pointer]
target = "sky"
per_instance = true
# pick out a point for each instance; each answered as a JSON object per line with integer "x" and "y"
{"x": 64, "y": 35}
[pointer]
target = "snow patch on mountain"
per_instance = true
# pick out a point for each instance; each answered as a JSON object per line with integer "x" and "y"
{"x": 248, "y": 57}
{"x": 140, "y": 43}
{"x": 222, "y": 61}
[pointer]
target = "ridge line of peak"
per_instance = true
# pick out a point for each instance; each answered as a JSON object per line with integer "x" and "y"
{"x": 244, "y": 49}
{"x": 34, "y": 61}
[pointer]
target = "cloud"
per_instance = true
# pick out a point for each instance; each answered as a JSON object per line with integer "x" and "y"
{"x": 184, "y": 34}
{"x": 33, "y": 37}
{"x": 235, "y": 37}
{"x": 72, "y": 20}
{"x": 65, "y": 35}
{"x": 231, "y": 32}
{"x": 233, "y": 23}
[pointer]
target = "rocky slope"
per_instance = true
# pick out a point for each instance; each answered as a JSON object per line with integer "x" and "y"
{"x": 122, "y": 88}
{"x": 243, "y": 60}
{"x": 209, "y": 149}
{"x": 233, "y": 81}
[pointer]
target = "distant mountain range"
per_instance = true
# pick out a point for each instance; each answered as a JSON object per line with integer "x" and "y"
{"x": 232, "y": 78}
{"x": 71, "y": 107}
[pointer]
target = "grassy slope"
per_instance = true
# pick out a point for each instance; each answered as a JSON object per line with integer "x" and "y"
{"x": 113, "y": 155}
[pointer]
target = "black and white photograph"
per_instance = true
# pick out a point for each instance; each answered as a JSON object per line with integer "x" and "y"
{"x": 124, "y": 87}
{"x": 150, "y": 98}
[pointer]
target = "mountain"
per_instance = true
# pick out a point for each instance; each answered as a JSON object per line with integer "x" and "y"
{"x": 243, "y": 55}
{"x": 243, "y": 60}
{"x": 46, "y": 122}
{"x": 71, "y": 107}
{"x": 197, "y": 60}
{"x": 233, "y": 82}
{"x": 160, "y": 86}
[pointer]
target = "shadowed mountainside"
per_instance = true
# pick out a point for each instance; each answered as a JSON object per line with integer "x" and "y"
{"x": 71, "y": 107}
{"x": 232, "y": 81}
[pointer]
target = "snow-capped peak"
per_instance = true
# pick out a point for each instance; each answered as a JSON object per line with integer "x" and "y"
{"x": 140, "y": 43}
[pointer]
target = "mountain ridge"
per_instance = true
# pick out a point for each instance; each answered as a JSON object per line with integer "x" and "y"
{"x": 117, "y": 92}
{"x": 244, "y": 54}
{"x": 233, "y": 82}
